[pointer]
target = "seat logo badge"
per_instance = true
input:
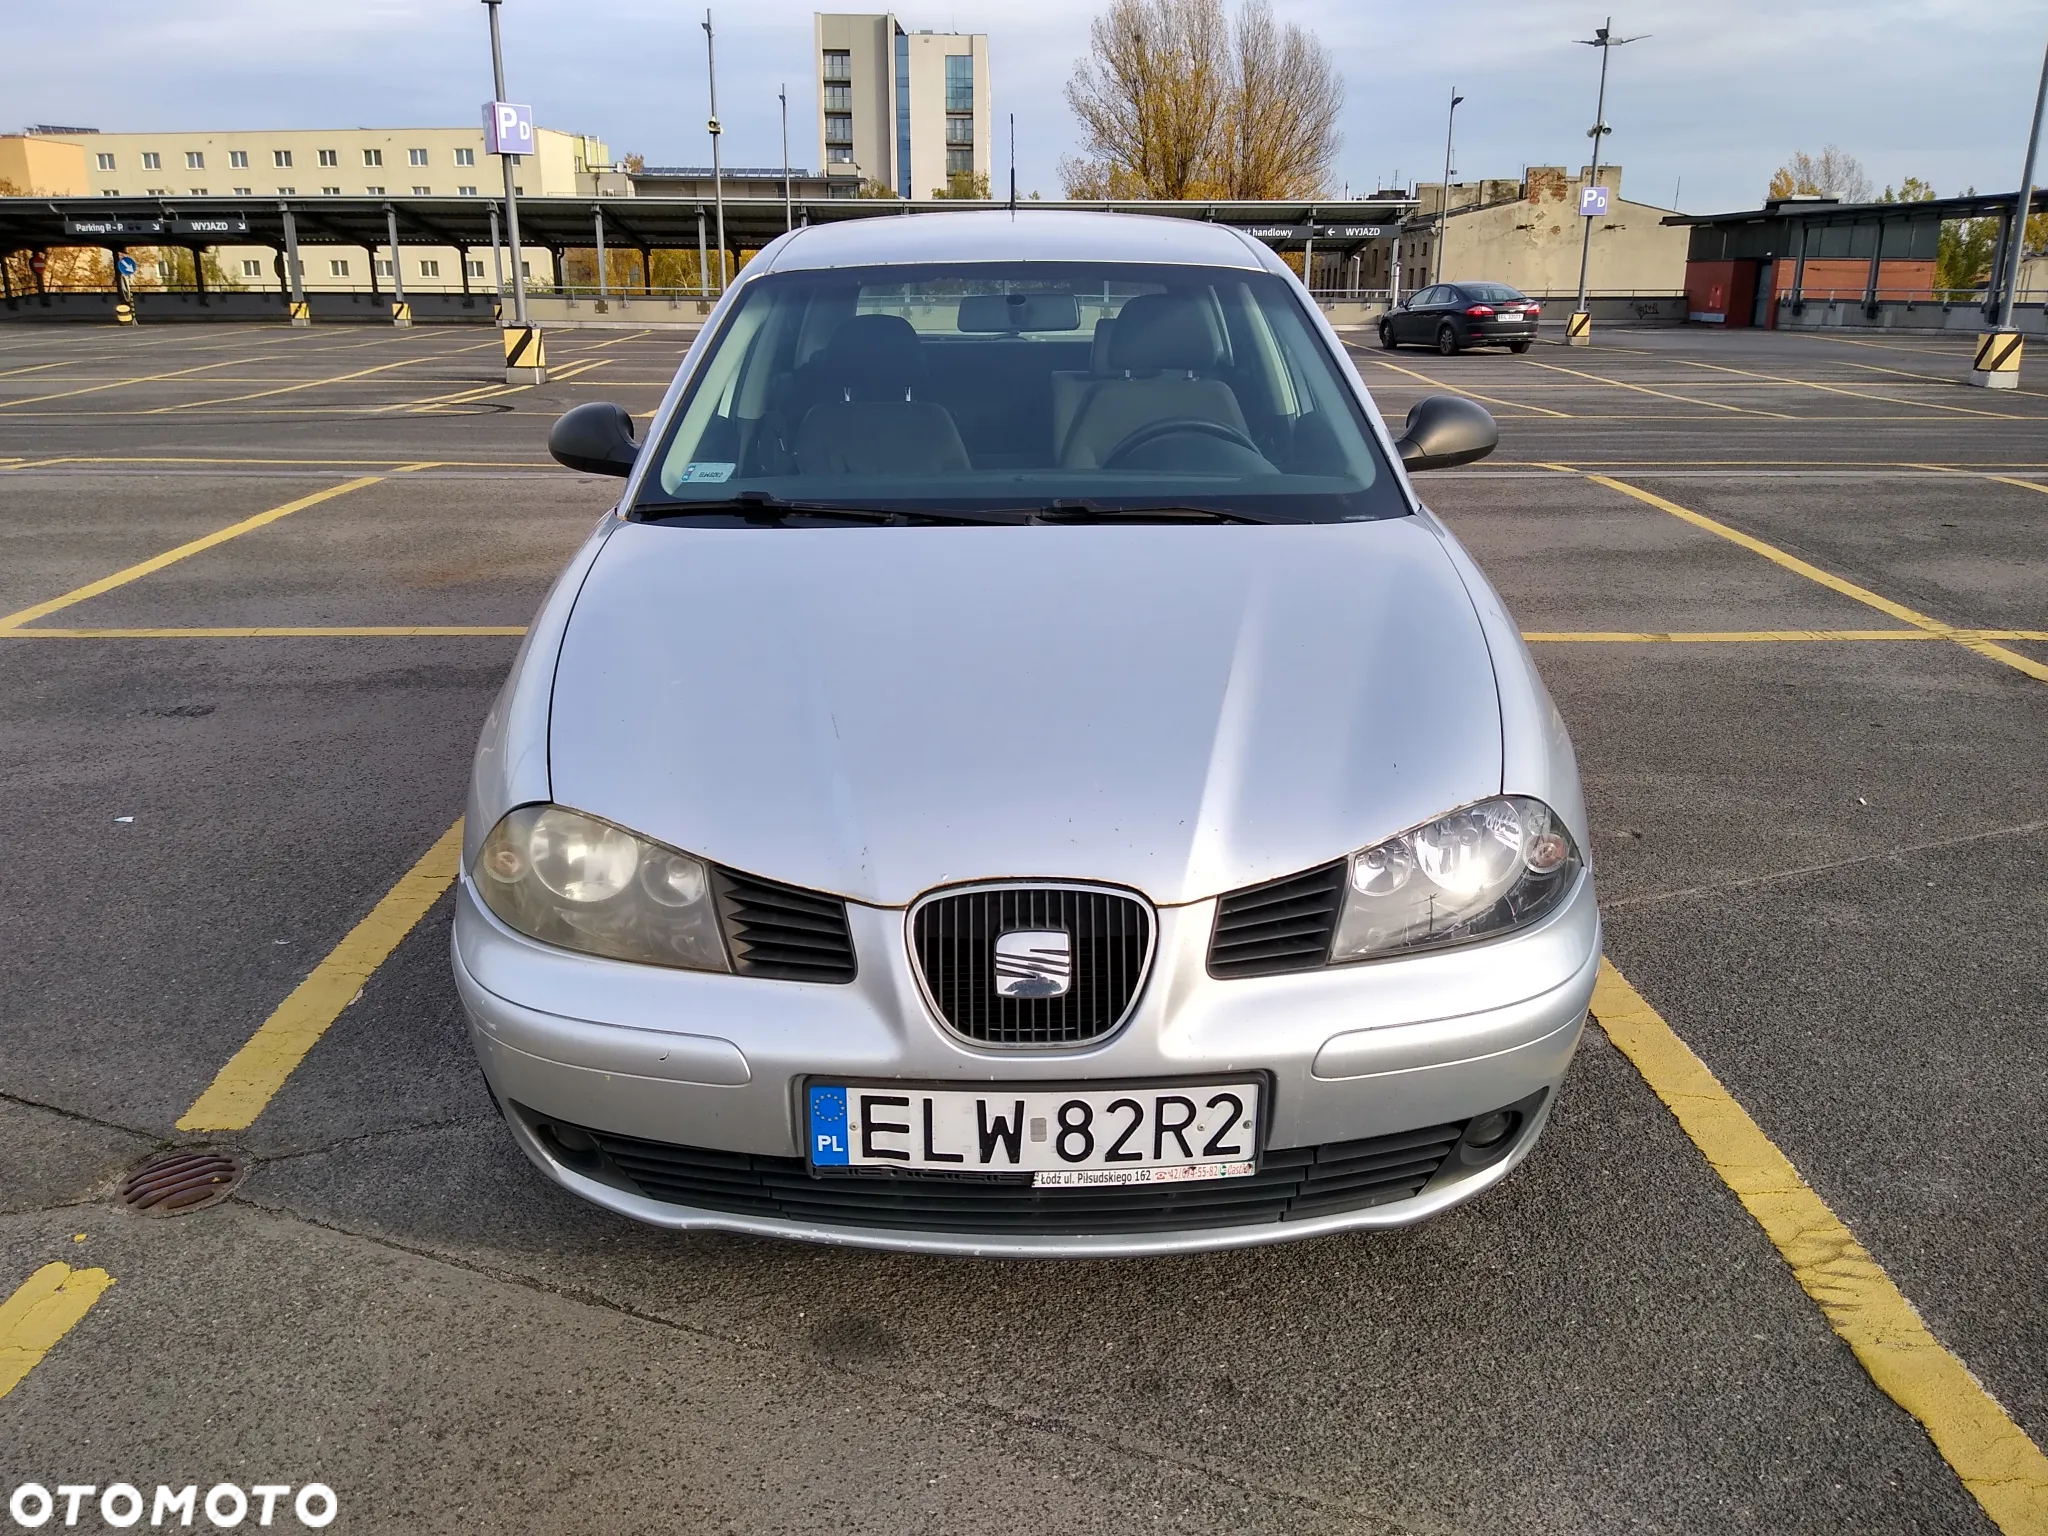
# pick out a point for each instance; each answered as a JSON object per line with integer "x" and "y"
{"x": 1034, "y": 962}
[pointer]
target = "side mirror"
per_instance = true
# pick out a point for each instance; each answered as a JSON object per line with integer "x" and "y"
{"x": 596, "y": 438}
{"x": 1442, "y": 430}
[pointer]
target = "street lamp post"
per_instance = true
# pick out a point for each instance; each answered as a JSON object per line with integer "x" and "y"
{"x": 1998, "y": 350}
{"x": 1579, "y": 330}
{"x": 788, "y": 211}
{"x": 1443, "y": 203}
{"x": 511, "y": 191}
{"x": 717, "y": 175}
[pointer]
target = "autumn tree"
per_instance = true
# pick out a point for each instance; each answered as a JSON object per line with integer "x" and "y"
{"x": 964, "y": 186}
{"x": 1834, "y": 172}
{"x": 1178, "y": 101}
{"x": 71, "y": 268}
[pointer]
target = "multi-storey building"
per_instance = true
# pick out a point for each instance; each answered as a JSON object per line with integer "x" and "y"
{"x": 906, "y": 111}
{"x": 305, "y": 162}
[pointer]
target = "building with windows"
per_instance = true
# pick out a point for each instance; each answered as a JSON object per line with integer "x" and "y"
{"x": 302, "y": 162}
{"x": 908, "y": 111}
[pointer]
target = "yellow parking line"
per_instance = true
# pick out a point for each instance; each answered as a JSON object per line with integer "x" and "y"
{"x": 147, "y": 378}
{"x": 2003, "y": 1470}
{"x": 172, "y": 556}
{"x": 1836, "y": 389}
{"x": 340, "y": 378}
{"x": 1460, "y": 389}
{"x": 1981, "y": 474}
{"x": 1644, "y": 389}
{"x": 253, "y": 1075}
{"x": 44, "y": 1307}
{"x": 1963, "y": 637}
{"x": 263, "y": 632}
{"x": 1718, "y": 637}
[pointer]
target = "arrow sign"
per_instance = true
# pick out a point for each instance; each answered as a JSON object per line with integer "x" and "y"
{"x": 126, "y": 265}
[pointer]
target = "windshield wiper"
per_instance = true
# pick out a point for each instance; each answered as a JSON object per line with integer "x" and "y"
{"x": 1082, "y": 509}
{"x": 767, "y": 510}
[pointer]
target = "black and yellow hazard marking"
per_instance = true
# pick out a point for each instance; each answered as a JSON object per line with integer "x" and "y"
{"x": 1579, "y": 326}
{"x": 524, "y": 348}
{"x": 1997, "y": 352}
{"x": 301, "y": 312}
{"x": 124, "y": 313}
{"x": 401, "y": 312}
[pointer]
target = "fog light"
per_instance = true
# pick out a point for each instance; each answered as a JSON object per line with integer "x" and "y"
{"x": 1491, "y": 1130}
{"x": 570, "y": 1138}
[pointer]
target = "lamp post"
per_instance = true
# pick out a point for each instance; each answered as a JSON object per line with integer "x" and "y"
{"x": 1579, "y": 329}
{"x": 511, "y": 191}
{"x": 1443, "y": 203}
{"x": 1997, "y": 365}
{"x": 788, "y": 212}
{"x": 717, "y": 175}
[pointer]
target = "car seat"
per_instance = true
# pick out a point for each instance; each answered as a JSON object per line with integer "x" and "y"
{"x": 1161, "y": 358}
{"x": 871, "y": 421}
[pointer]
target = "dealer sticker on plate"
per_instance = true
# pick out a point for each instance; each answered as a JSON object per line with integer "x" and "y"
{"x": 1064, "y": 1137}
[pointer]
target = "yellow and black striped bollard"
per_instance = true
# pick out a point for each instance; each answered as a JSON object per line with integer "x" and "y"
{"x": 526, "y": 359}
{"x": 1578, "y": 330}
{"x": 401, "y": 313}
{"x": 1997, "y": 365}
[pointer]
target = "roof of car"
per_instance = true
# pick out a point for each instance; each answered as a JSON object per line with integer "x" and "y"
{"x": 1028, "y": 234}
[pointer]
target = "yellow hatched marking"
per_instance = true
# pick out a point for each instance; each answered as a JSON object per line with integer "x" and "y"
{"x": 2002, "y": 1469}
{"x": 1644, "y": 389}
{"x": 171, "y": 556}
{"x": 147, "y": 378}
{"x": 253, "y": 1075}
{"x": 1858, "y": 394}
{"x": 44, "y": 1307}
{"x": 1459, "y": 389}
{"x": 289, "y": 389}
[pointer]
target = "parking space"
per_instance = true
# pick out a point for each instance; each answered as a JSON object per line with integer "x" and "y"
{"x": 1790, "y": 593}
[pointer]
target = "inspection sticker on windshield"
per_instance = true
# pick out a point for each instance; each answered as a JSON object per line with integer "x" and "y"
{"x": 1065, "y": 1137}
{"x": 703, "y": 470}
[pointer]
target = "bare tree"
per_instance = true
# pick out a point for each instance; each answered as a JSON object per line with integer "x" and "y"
{"x": 1280, "y": 122}
{"x": 1834, "y": 172}
{"x": 1151, "y": 99}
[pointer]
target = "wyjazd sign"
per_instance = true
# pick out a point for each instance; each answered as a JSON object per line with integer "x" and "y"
{"x": 1314, "y": 231}
{"x": 508, "y": 128}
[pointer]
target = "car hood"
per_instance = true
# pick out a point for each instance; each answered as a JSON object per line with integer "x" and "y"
{"x": 874, "y": 712}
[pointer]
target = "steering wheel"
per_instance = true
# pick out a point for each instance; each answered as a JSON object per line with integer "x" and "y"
{"x": 1174, "y": 426}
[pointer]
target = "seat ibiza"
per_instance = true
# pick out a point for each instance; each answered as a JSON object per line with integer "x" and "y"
{"x": 1020, "y": 772}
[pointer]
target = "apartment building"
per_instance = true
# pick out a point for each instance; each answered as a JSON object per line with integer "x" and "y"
{"x": 307, "y": 162}
{"x": 908, "y": 111}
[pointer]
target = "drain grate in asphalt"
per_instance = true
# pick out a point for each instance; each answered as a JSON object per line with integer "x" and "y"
{"x": 173, "y": 1183}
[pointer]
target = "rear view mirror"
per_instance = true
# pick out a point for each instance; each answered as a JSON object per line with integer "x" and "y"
{"x": 596, "y": 438}
{"x": 1444, "y": 430}
{"x": 992, "y": 313}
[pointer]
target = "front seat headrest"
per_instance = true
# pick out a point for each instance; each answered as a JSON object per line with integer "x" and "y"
{"x": 874, "y": 357}
{"x": 1165, "y": 333}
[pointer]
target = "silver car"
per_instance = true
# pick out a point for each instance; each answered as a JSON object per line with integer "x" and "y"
{"x": 1019, "y": 772}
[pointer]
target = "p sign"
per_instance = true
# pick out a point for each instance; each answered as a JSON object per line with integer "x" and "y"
{"x": 1593, "y": 202}
{"x": 508, "y": 128}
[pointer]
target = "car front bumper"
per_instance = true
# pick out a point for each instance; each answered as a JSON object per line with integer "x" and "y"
{"x": 716, "y": 1062}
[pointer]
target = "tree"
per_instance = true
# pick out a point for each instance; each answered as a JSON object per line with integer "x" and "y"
{"x": 65, "y": 267}
{"x": 1834, "y": 172}
{"x": 1175, "y": 101}
{"x": 875, "y": 191}
{"x": 963, "y": 186}
{"x": 634, "y": 162}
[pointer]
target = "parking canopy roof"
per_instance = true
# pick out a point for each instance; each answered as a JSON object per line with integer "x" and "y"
{"x": 562, "y": 223}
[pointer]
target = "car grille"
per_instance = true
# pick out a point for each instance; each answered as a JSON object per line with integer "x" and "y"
{"x": 954, "y": 939}
{"x": 1292, "y": 1184}
{"x": 1283, "y": 925}
{"x": 783, "y": 933}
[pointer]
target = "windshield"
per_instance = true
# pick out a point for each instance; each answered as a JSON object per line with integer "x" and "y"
{"x": 1489, "y": 293}
{"x": 1006, "y": 388}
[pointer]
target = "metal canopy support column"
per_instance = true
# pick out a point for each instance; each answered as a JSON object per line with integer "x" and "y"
{"x": 199, "y": 272}
{"x": 597, "y": 218}
{"x": 497, "y": 259}
{"x": 300, "y": 312}
{"x": 646, "y": 271}
{"x": 1870, "y": 282}
{"x": 703, "y": 277}
{"x": 401, "y": 312}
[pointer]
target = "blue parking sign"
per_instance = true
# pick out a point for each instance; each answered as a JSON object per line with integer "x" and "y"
{"x": 508, "y": 128}
{"x": 1593, "y": 202}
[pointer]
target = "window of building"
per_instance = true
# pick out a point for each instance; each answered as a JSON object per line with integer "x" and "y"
{"x": 517, "y": 190}
{"x": 152, "y": 161}
{"x": 474, "y": 268}
{"x": 838, "y": 64}
{"x": 840, "y": 189}
{"x": 465, "y": 191}
{"x": 238, "y": 159}
{"x": 383, "y": 268}
{"x": 287, "y": 191}
{"x": 415, "y": 157}
{"x": 330, "y": 157}
{"x": 243, "y": 191}
{"x": 838, "y": 130}
{"x": 195, "y": 191}
{"x": 111, "y": 192}
{"x": 839, "y": 154}
{"x": 959, "y": 82}
{"x": 280, "y": 157}
{"x": 330, "y": 191}
{"x": 422, "y": 191}
{"x": 251, "y": 267}
{"x": 526, "y": 269}
{"x": 337, "y": 269}
{"x": 959, "y": 130}
{"x": 373, "y": 157}
{"x": 155, "y": 191}
{"x": 902, "y": 115}
{"x": 163, "y": 269}
{"x": 429, "y": 268}
{"x": 374, "y": 191}
{"x": 465, "y": 157}
{"x": 838, "y": 98}
{"x": 959, "y": 162}
{"x": 195, "y": 160}
{"x": 106, "y": 162}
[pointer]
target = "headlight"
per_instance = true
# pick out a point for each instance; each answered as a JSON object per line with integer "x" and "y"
{"x": 1480, "y": 871}
{"x": 565, "y": 878}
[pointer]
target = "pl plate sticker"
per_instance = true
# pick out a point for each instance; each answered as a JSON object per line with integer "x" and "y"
{"x": 701, "y": 473}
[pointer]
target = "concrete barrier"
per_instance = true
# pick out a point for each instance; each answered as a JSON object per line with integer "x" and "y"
{"x": 1850, "y": 314}
{"x": 619, "y": 311}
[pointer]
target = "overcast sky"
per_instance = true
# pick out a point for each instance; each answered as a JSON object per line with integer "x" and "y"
{"x": 1715, "y": 97}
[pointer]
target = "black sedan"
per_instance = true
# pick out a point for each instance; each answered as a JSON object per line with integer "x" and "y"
{"x": 1453, "y": 316}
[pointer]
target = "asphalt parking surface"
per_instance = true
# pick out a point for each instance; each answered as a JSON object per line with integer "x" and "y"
{"x": 1820, "y": 859}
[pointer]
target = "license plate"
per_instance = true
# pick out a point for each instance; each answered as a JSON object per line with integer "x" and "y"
{"x": 1062, "y": 1137}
